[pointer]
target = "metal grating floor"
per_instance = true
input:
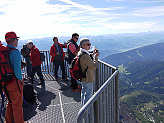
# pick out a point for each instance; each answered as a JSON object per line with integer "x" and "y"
{"x": 56, "y": 103}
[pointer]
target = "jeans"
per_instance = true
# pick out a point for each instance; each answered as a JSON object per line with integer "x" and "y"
{"x": 56, "y": 65}
{"x": 87, "y": 92}
{"x": 28, "y": 65}
{"x": 39, "y": 73}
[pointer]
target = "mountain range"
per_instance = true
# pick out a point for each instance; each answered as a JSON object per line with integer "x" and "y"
{"x": 107, "y": 44}
{"x": 149, "y": 52}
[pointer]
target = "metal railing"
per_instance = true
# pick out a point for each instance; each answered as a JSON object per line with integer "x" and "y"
{"x": 47, "y": 65}
{"x": 103, "y": 106}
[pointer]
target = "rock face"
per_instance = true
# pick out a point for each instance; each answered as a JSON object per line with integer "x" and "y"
{"x": 125, "y": 115}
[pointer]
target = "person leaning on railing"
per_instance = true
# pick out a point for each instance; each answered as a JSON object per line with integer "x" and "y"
{"x": 87, "y": 60}
{"x": 72, "y": 50}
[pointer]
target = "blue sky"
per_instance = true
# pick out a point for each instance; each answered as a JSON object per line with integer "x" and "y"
{"x": 48, "y": 18}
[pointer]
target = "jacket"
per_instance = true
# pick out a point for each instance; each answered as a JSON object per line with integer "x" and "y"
{"x": 35, "y": 56}
{"x": 70, "y": 54}
{"x": 86, "y": 60}
{"x": 53, "y": 51}
{"x": 15, "y": 59}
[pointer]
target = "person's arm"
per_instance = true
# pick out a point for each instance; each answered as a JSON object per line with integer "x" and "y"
{"x": 63, "y": 45}
{"x": 78, "y": 49}
{"x": 73, "y": 49}
{"x": 52, "y": 51}
{"x": 90, "y": 63}
{"x": 16, "y": 63}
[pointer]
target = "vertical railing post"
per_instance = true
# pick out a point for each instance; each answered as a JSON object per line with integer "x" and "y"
{"x": 117, "y": 97}
{"x": 48, "y": 61}
{"x": 96, "y": 103}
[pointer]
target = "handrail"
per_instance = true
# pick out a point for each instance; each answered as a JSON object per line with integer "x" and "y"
{"x": 93, "y": 98}
{"x": 107, "y": 64}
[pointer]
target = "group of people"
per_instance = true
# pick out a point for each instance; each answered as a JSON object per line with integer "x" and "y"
{"x": 33, "y": 63}
{"x": 87, "y": 61}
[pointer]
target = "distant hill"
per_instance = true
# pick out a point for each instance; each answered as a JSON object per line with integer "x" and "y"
{"x": 143, "y": 75}
{"x": 150, "y": 52}
{"x": 108, "y": 44}
{"x": 142, "y": 89}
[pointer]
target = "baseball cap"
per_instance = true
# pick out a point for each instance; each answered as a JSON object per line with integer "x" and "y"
{"x": 10, "y": 35}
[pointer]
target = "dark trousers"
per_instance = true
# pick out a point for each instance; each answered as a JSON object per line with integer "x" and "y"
{"x": 39, "y": 73}
{"x": 28, "y": 65}
{"x": 56, "y": 68}
{"x": 73, "y": 83}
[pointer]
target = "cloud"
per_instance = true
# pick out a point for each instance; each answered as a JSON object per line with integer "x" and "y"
{"x": 149, "y": 11}
{"x": 115, "y": 0}
{"x": 125, "y": 25}
{"x": 155, "y": 1}
{"x": 39, "y": 18}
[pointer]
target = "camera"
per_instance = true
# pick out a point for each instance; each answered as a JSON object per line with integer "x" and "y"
{"x": 96, "y": 51}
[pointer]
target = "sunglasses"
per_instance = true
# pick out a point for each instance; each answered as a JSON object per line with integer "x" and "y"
{"x": 15, "y": 38}
{"x": 88, "y": 44}
{"x": 76, "y": 38}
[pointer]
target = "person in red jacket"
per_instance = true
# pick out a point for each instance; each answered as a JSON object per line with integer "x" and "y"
{"x": 56, "y": 51}
{"x": 36, "y": 63}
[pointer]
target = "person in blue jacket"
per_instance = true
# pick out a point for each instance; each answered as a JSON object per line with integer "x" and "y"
{"x": 14, "y": 110}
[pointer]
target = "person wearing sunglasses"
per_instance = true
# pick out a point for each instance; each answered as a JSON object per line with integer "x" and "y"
{"x": 14, "y": 110}
{"x": 72, "y": 50}
{"x": 89, "y": 62}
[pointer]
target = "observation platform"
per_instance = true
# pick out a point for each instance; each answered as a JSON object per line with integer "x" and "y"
{"x": 56, "y": 103}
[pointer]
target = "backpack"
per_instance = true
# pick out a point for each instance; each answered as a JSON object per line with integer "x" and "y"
{"x": 67, "y": 56}
{"x": 25, "y": 51}
{"x": 75, "y": 68}
{"x": 28, "y": 93}
{"x": 6, "y": 72}
{"x": 42, "y": 57}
